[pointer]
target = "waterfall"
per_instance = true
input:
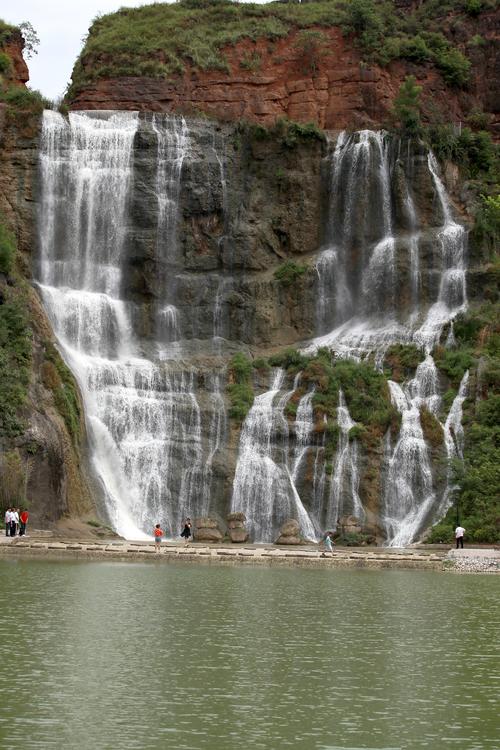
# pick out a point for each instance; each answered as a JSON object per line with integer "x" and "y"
{"x": 452, "y": 297}
{"x": 264, "y": 488}
{"x": 172, "y": 145}
{"x": 304, "y": 426}
{"x": 344, "y": 488}
{"x": 409, "y": 494}
{"x": 454, "y": 442}
{"x": 410, "y": 501}
{"x": 358, "y": 310}
{"x": 144, "y": 417}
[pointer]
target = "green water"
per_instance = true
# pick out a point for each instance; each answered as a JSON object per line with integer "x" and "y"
{"x": 124, "y": 656}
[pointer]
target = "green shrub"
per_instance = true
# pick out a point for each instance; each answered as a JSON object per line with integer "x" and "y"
{"x": 454, "y": 66}
{"x": 64, "y": 390}
{"x": 288, "y": 273}
{"x": 5, "y": 62}
{"x": 6, "y": 31}
{"x": 473, "y": 7}
{"x": 407, "y": 105}
{"x": 356, "y": 432}
{"x": 241, "y": 398}
{"x": 289, "y": 359}
{"x": 453, "y": 363}
{"x": 432, "y": 429}
{"x": 251, "y": 62}
{"x": 240, "y": 390}
{"x": 7, "y": 249}
{"x": 401, "y": 361}
{"x": 15, "y": 359}
{"x": 363, "y": 18}
{"x": 20, "y": 98}
{"x": 475, "y": 152}
{"x": 311, "y": 46}
{"x": 261, "y": 364}
{"x": 486, "y": 230}
{"x": 478, "y": 120}
{"x": 241, "y": 367}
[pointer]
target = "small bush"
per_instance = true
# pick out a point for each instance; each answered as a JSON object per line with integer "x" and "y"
{"x": 19, "y": 98}
{"x": 261, "y": 364}
{"x": 251, "y": 62}
{"x": 59, "y": 379}
{"x": 407, "y": 105}
{"x": 240, "y": 390}
{"x": 15, "y": 359}
{"x": 473, "y": 7}
{"x": 240, "y": 367}
{"x": 7, "y": 249}
{"x": 289, "y": 359}
{"x": 311, "y": 46}
{"x": 5, "y": 62}
{"x": 486, "y": 230}
{"x": 288, "y": 273}
{"x": 453, "y": 363}
{"x": 432, "y": 429}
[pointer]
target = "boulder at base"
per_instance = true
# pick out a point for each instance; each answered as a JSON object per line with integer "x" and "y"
{"x": 206, "y": 530}
{"x": 350, "y": 525}
{"x": 236, "y": 528}
{"x": 290, "y": 533}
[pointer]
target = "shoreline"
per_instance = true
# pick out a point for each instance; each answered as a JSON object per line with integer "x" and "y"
{"x": 470, "y": 560}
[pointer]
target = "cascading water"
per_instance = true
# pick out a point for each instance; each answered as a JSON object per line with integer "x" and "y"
{"x": 344, "y": 488}
{"x": 144, "y": 418}
{"x": 359, "y": 313}
{"x": 264, "y": 488}
{"x": 156, "y": 424}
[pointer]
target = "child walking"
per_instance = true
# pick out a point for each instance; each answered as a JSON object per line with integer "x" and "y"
{"x": 158, "y": 535}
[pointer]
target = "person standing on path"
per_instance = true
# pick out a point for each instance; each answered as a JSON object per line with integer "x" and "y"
{"x": 14, "y": 521}
{"x": 459, "y": 536}
{"x": 186, "y": 531}
{"x": 23, "y": 522}
{"x": 328, "y": 543}
{"x": 7, "y": 521}
{"x": 158, "y": 535}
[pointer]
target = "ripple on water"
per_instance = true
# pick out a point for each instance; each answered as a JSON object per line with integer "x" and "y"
{"x": 108, "y": 655}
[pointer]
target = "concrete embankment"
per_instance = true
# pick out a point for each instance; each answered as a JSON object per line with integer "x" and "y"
{"x": 462, "y": 561}
{"x": 304, "y": 556}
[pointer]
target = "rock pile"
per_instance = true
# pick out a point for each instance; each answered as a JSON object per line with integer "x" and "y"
{"x": 236, "y": 527}
{"x": 206, "y": 530}
{"x": 290, "y": 533}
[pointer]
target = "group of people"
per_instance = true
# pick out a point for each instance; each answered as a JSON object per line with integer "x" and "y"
{"x": 186, "y": 533}
{"x": 16, "y": 521}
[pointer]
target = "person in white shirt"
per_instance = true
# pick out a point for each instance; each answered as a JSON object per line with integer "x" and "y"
{"x": 7, "y": 521}
{"x": 459, "y": 536}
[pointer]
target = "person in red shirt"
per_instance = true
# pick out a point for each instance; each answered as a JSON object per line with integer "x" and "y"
{"x": 158, "y": 535}
{"x": 23, "y": 522}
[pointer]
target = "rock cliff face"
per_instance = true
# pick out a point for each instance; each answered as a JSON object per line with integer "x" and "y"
{"x": 338, "y": 91}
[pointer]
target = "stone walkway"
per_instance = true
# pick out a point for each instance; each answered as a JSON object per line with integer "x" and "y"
{"x": 310, "y": 556}
{"x": 42, "y": 544}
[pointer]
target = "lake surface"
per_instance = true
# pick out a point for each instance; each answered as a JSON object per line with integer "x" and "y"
{"x": 127, "y": 656}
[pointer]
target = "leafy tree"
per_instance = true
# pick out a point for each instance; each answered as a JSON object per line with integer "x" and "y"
{"x": 31, "y": 39}
{"x": 407, "y": 105}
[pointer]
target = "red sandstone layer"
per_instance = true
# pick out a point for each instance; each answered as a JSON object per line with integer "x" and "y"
{"x": 341, "y": 92}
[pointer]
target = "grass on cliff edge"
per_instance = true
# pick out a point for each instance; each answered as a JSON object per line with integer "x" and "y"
{"x": 157, "y": 40}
